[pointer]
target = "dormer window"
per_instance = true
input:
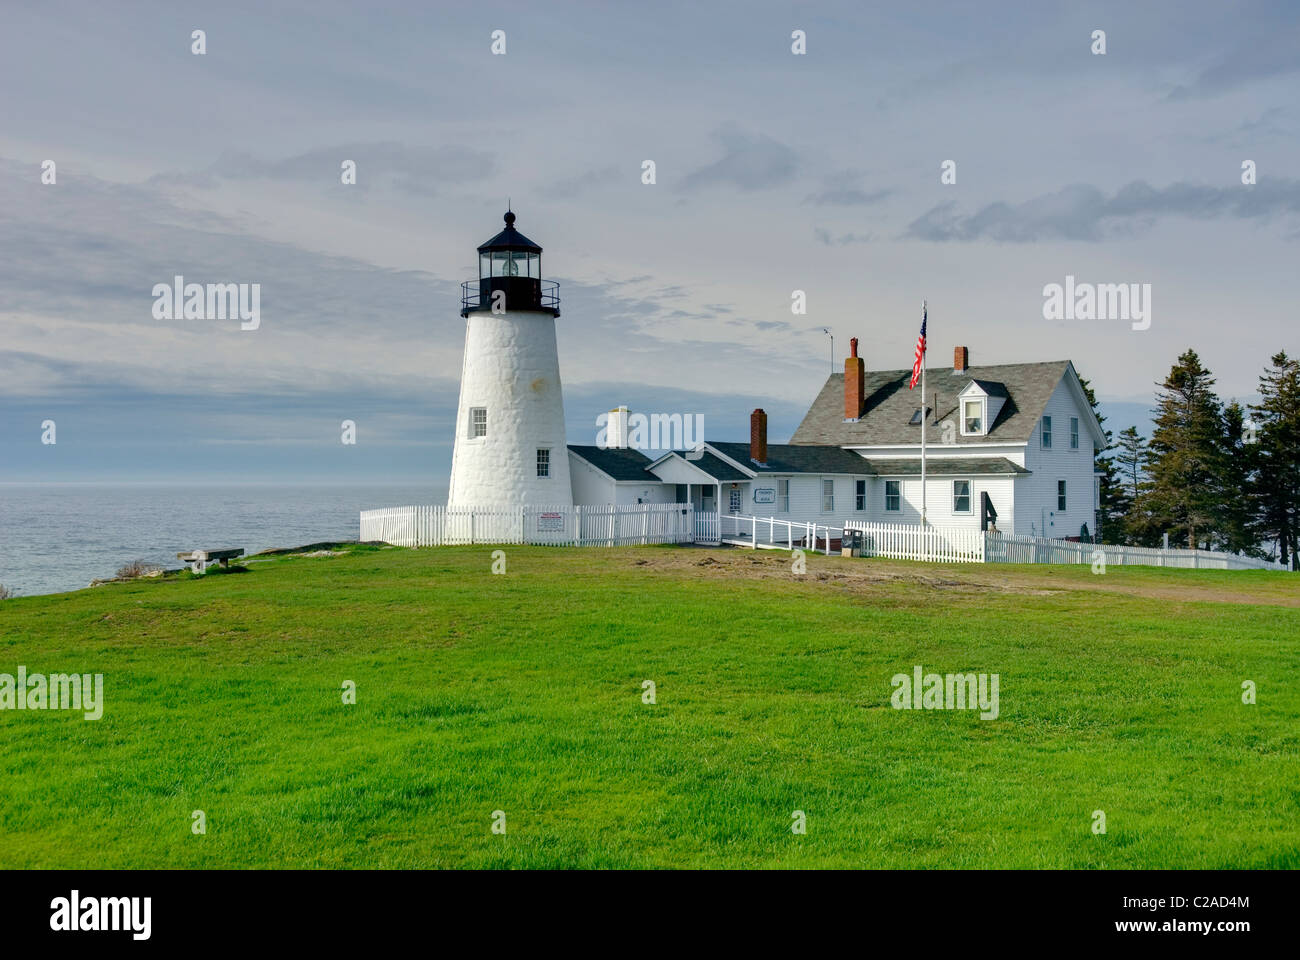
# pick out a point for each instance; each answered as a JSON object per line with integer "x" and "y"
{"x": 979, "y": 404}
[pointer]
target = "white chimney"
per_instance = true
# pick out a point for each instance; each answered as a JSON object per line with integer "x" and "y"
{"x": 616, "y": 428}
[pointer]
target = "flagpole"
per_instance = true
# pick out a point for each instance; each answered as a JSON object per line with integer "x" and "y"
{"x": 925, "y": 349}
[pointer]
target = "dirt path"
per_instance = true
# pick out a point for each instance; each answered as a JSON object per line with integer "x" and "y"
{"x": 1149, "y": 583}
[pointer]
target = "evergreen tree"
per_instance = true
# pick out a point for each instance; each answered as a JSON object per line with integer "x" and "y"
{"x": 1238, "y": 486}
{"x": 1186, "y": 465}
{"x": 1131, "y": 464}
{"x": 1276, "y": 437}
{"x": 1113, "y": 505}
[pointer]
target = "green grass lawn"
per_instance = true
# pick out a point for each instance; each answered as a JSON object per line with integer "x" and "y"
{"x": 522, "y": 693}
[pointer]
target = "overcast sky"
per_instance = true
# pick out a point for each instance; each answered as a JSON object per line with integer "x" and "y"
{"x": 775, "y": 172}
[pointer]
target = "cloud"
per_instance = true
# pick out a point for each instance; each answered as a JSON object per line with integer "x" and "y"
{"x": 748, "y": 162}
{"x": 82, "y": 259}
{"x": 823, "y": 236}
{"x": 1250, "y": 133}
{"x": 1274, "y": 54}
{"x": 846, "y": 197}
{"x": 568, "y": 188}
{"x": 844, "y": 189}
{"x": 1083, "y": 212}
{"x": 395, "y": 166}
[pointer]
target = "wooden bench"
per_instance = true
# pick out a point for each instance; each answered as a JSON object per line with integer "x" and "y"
{"x": 199, "y": 559}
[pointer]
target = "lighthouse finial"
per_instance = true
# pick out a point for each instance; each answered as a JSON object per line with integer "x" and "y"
{"x": 510, "y": 217}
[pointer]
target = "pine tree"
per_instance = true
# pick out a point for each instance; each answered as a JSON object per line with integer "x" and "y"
{"x": 1238, "y": 486}
{"x": 1276, "y": 436}
{"x": 1186, "y": 466}
{"x": 1131, "y": 465}
{"x": 1113, "y": 505}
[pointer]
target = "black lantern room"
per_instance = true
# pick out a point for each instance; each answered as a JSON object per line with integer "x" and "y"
{"x": 511, "y": 264}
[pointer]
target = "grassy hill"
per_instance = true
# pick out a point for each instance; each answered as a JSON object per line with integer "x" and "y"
{"x": 522, "y": 693}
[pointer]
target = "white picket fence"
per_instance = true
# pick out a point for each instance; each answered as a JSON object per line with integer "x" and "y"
{"x": 630, "y": 524}
{"x": 1007, "y": 548}
{"x": 959, "y": 545}
{"x": 602, "y": 525}
{"x": 707, "y": 527}
{"x": 634, "y": 524}
{"x": 909, "y": 541}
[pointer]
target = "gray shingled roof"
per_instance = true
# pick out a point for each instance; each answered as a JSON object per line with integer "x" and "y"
{"x": 890, "y": 405}
{"x": 991, "y": 387}
{"x": 793, "y": 458}
{"x": 716, "y": 468}
{"x": 940, "y": 466}
{"x": 789, "y": 458}
{"x": 619, "y": 464}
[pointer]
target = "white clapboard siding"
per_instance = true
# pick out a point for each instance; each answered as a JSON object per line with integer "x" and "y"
{"x": 910, "y": 541}
{"x": 601, "y": 525}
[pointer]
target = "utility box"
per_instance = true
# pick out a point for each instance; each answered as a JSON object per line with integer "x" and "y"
{"x": 851, "y": 543}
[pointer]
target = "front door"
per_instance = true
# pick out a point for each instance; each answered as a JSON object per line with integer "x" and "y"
{"x": 735, "y": 500}
{"x": 706, "y": 500}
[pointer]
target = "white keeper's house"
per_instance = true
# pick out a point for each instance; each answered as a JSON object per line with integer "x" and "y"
{"x": 1008, "y": 445}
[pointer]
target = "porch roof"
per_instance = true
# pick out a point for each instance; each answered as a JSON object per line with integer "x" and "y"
{"x": 716, "y": 467}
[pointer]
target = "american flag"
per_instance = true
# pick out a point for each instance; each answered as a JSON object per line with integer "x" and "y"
{"x": 920, "y": 353}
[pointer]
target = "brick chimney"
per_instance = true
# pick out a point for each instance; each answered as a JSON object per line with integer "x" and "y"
{"x": 960, "y": 359}
{"x": 854, "y": 369}
{"x": 758, "y": 436}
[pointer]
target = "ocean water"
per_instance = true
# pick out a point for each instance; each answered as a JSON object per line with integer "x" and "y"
{"x": 60, "y": 536}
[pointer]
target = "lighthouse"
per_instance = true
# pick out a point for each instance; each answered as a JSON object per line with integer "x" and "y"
{"x": 510, "y": 447}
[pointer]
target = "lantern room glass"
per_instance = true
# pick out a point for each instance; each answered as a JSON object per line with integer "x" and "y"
{"x": 510, "y": 263}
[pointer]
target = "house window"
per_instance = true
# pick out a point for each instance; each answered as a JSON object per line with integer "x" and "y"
{"x": 916, "y": 418}
{"x": 1060, "y": 496}
{"x": 783, "y": 494}
{"x": 828, "y": 496}
{"x": 860, "y": 495}
{"x": 735, "y": 500}
{"x": 1047, "y": 433}
{"x": 972, "y": 416}
{"x": 543, "y": 462}
{"x": 961, "y": 496}
{"x": 893, "y": 496}
{"x": 477, "y": 422}
{"x": 1074, "y": 433}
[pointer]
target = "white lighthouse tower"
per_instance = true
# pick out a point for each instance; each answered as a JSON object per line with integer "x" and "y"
{"x": 510, "y": 447}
